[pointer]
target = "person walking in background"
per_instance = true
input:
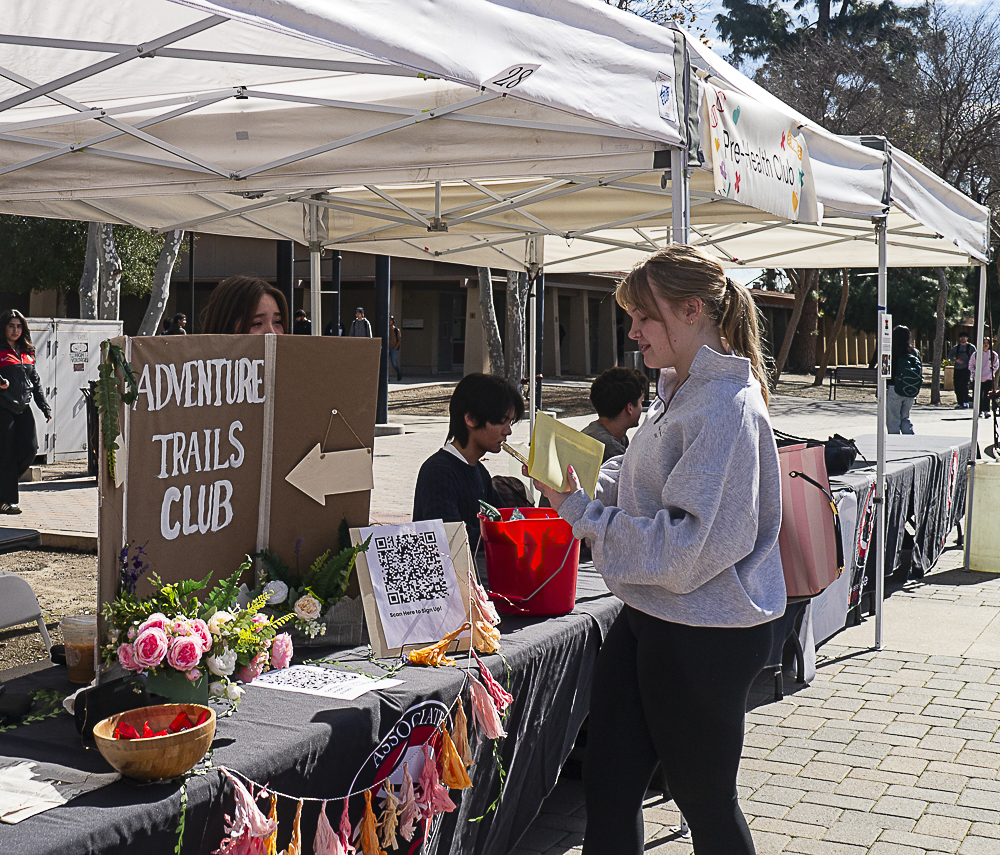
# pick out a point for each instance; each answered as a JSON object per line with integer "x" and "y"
{"x": 360, "y": 328}
{"x": 617, "y": 396}
{"x": 302, "y": 324}
{"x": 19, "y": 383}
{"x": 395, "y": 340}
{"x": 960, "y": 355}
{"x": 178, "y": 326}
{"x": 989, "y": 367}
{"x": 907, "y": 374}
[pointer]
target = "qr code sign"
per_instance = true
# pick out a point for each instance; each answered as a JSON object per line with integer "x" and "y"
{"x": 411, "y": 567}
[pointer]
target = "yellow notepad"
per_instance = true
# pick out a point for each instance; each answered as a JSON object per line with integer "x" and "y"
{"x": 555, "y": 445}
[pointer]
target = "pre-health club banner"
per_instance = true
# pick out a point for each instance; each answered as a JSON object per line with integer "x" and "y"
{"x": 758, "y": 156}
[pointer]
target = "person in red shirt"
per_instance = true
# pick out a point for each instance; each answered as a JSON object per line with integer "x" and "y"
{"x": 19, "y": 383}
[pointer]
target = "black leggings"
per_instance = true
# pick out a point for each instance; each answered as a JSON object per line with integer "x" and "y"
{"x": 18, "y": 447}
{"x": 675, "y": 695}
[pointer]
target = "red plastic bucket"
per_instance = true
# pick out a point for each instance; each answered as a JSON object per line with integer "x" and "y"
{"x": 532, "y": 563}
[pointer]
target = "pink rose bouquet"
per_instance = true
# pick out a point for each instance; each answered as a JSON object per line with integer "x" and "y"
{"x": 185, "y": 652}
{"x": 174, "y": 631}
{"x": 281, "y": 651}
{"x": 151, "y": 646}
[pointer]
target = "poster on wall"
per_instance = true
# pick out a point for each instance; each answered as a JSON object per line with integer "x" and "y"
{"x": 219, "y": 424}
{"x": 758, "y": 155}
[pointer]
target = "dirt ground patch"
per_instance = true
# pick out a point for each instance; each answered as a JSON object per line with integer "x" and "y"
{"x": 65, "y": 584}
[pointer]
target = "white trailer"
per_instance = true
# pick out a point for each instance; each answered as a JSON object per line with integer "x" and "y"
{"x": 67, "y": 354}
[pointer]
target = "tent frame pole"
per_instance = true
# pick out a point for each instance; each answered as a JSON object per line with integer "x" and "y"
{"x": 315, "y": 271}
{"x": 880, "y": 231}
{"x": 534, "y": 265}
{"x": 680, "y": 198}
{"x": 976, "y": 403}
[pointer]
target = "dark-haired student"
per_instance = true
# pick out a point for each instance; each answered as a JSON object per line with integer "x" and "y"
{"x": 617, "y": 396}
{"x": 451, "y": 481}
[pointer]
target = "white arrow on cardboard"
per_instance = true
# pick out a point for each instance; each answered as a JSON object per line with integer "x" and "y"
{"x": 325, "y": 473}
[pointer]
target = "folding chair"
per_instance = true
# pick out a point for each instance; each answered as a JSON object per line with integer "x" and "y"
{"x": 18, "y": 604}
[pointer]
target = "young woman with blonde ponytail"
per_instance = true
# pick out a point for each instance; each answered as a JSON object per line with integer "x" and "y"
{"x": 684, "y": 529}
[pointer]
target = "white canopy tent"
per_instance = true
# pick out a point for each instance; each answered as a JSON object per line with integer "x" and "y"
{"x": 542, "y": 134}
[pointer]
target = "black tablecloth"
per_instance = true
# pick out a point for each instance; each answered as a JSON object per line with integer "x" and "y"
{"x": 926, "y": 479}
{"x": 309, "y": 746}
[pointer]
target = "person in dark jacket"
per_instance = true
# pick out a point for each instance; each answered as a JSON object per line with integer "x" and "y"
{"x": 19, "y": 383}
{"x": 178, "y": 326}
{"x": 453, "y": 480}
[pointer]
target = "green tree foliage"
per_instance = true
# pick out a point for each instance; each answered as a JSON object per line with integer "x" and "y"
{"x": 914, "y": 298}
{"x": 755, "y": 29}
{"x": 41, "y": 254}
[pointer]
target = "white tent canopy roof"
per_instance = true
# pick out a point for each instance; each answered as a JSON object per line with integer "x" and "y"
{"x": 226, "y": 117}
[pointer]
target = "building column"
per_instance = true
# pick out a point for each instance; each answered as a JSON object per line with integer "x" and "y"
{"x": 553, "y": 356}
{"x": 607, "y": 341}
{"x": 477, "y": 359}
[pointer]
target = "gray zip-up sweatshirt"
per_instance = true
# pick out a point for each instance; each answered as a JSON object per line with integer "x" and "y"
{"x": 684, "y": 526}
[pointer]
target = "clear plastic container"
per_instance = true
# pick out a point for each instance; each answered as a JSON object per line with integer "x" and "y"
{"x": 80, "y": 637}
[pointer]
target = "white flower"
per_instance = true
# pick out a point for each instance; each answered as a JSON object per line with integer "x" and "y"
{"x": 308, "y": 608}
{"x": 216, "y": 621}
{"x": 224, "y": 664}
{"x": 234, "y": 692}
{"x": 217, "y": 689}
{"x": 277, "y": 592}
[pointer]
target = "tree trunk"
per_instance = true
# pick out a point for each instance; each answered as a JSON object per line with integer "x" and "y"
{"x": 517, "y": 292}
{"x": 91, "y": 278}
{"x": 161, "y": 284}
{"x": 938, "y": 351}
{"x": 800, "y": 285}
{"x": 111, "y": 274}
{"x": 838, "y": 324}
{"x": 802, "y": 358}
{"x": 491, "y": 332}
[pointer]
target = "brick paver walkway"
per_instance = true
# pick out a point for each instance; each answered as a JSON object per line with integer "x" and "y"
{"x": 889, "y": 752}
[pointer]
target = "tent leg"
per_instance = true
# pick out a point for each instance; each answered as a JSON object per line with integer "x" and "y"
{"x": 536, "y": 307}
{"x": 315, "y": 272}
{"x": 679, "y": 198}
{"x": 335, "y": 287}
{"x": 880, "y": 231}
{"x": 976, "y": 403}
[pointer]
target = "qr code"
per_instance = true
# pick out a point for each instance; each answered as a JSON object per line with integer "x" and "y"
{"x": 411, "y": 567}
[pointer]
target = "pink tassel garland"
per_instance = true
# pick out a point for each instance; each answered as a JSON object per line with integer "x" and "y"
{"x": 345, "y": 833}
{"x": 434, "y": 798}
{"x": 501, "y": 697}
{"x": 409, "y": 810}
{"x": 484, "y": 711}
{"x": 248, "y": 829}
{"x": 326, "y": 841}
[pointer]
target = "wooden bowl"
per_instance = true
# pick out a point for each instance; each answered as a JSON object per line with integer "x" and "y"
{"x": 157, "y": 757}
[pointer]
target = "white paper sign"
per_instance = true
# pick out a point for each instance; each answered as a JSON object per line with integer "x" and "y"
{"x": 758, "y": 156}
{"x": 28, "y": 788}
{"x": 885, "y": 343}
{"x": 324, "y": 682}
{"x": 666, "y": 103}
{"x": 414, "y": 582}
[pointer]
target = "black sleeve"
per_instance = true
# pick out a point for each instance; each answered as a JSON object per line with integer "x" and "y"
{"x": 36, "y": 391}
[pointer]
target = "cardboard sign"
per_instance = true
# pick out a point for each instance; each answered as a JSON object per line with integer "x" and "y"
{"x": 380, "y": 618}
{"x": 219, "y": 424}
{"x": 758, "y": 156}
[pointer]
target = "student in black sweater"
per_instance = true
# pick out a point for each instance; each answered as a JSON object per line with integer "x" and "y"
{"x": 452, "y": 481}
